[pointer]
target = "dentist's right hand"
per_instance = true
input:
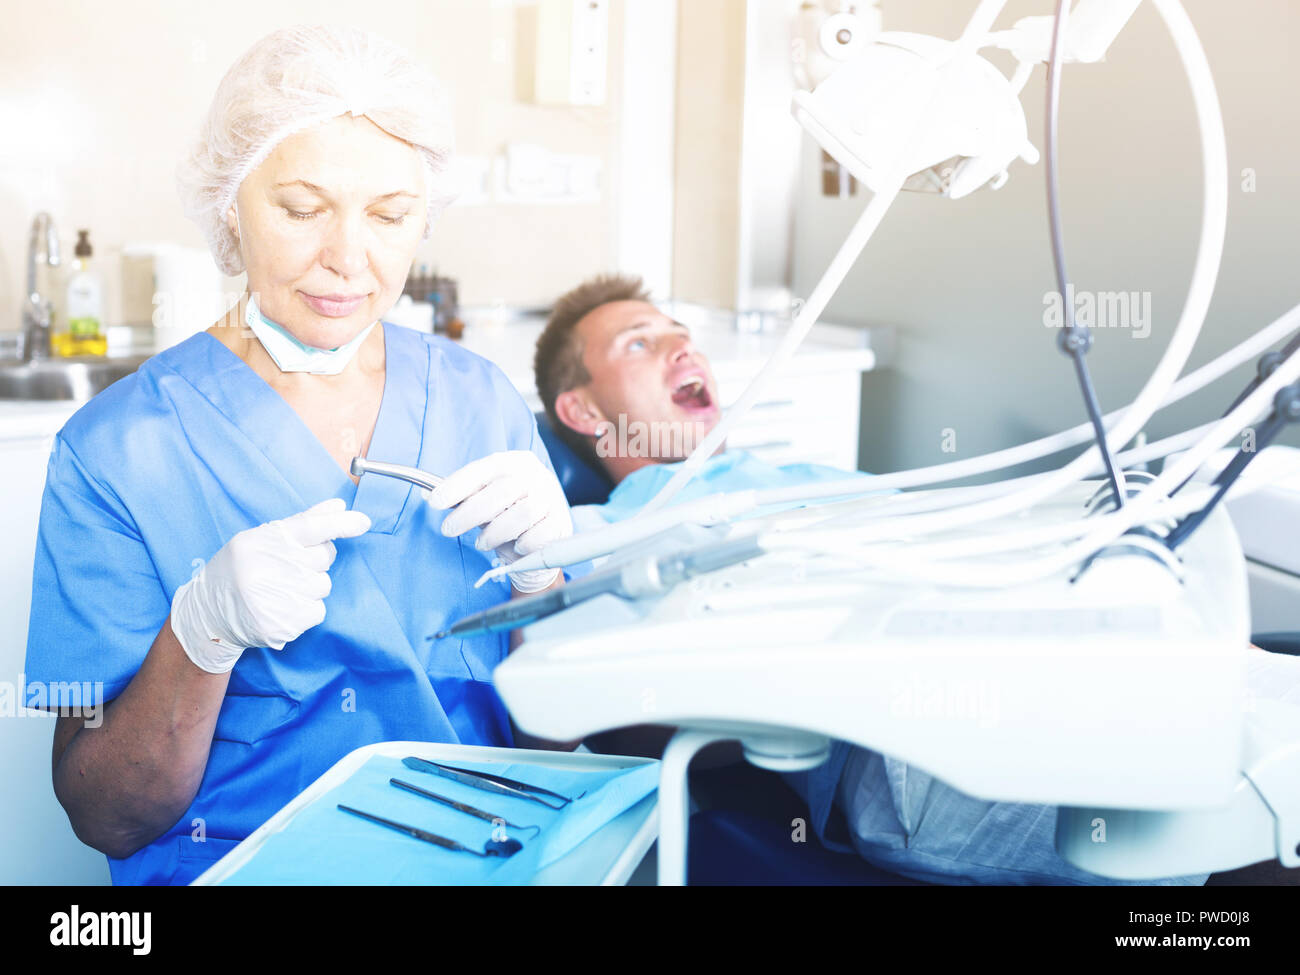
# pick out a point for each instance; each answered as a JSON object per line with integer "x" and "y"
{"x": 264, "y": 588}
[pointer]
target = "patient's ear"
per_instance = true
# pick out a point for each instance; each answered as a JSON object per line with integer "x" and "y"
{"x": 577, "y": 412}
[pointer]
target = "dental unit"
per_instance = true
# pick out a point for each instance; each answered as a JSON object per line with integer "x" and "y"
{"x": 1046, "y": 638}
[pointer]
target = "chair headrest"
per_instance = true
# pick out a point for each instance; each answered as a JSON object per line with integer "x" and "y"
{"x": 582, "y": 483}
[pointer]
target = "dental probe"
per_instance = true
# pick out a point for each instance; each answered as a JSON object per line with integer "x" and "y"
{"x": 413, "y": 474}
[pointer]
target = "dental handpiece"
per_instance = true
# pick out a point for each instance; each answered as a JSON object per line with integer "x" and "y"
{"x": 413, "y": 474}
{"x": 647, "y": 576}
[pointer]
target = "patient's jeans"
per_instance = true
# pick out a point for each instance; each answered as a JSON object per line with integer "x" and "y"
{"x": 950, "y": 837}
{"x": 904, "y": 820}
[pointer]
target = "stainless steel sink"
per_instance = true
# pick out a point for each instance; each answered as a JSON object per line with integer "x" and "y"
{"x": 73, "y": 378}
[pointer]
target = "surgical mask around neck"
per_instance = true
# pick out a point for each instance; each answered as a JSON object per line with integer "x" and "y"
{"x": 292, "y": 355}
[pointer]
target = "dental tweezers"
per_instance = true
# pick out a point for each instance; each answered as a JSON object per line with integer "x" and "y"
{"x": 489, "y": 782}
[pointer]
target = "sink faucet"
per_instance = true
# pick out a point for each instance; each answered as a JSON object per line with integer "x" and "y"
{"x": 38, "y": 311}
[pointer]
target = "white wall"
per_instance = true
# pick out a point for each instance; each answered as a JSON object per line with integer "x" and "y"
{"x": 964, "y": 281}
{"x": 98, "y": 101}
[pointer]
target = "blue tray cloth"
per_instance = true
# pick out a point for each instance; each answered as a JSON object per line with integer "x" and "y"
{"x": 323, "y": 845}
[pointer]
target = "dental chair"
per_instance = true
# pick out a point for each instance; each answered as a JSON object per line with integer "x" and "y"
{"x": 743, "y": 832}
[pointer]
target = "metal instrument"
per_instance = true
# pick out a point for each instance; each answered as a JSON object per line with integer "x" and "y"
{"x": 490, "y": 783}
{"x": 424, "y": 479}
{"x": 460, "y": 806}
{"x": 493, "y": 848}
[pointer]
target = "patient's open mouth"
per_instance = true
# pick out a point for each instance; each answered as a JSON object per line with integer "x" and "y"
{"x": 693, "y": 394}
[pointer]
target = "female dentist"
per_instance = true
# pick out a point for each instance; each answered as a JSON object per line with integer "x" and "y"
{"x": 212, "y": 586}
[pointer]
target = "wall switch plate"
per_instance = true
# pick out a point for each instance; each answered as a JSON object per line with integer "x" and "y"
{"x": 572, "y": 51}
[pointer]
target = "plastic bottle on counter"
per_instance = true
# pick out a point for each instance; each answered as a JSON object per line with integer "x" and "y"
{"x": 84, "y": 334}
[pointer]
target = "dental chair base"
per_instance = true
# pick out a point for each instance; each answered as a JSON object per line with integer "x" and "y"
{"x": 1124, "y": 688}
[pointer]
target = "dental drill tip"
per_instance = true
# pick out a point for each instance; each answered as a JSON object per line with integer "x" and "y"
{"x": 358, "y": 466}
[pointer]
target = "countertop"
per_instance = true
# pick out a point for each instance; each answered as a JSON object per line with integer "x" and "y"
{"x": 735, "y": 356}
{"x": 508, "y": 340}
{"x": 34, "y": 419}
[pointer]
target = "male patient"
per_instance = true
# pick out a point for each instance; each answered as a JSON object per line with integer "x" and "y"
{"x": 626, "y": 388}
{"x": 609, "y": 360}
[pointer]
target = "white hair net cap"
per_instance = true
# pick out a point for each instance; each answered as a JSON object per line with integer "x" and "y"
{"x": 293, "y": 79}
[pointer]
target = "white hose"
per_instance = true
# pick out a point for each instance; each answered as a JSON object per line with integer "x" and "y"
{"x": 923, "y": 501}
{"x": 956, "y": 470}
{"x": 915, "y": 557}
{"x": 1106, "y": 528}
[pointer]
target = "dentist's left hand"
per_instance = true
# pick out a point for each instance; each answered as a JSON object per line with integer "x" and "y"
{"x": 519, "y": 504}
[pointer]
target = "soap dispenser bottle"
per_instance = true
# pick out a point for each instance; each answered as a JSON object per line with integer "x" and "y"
{"x": 85, "y": 306}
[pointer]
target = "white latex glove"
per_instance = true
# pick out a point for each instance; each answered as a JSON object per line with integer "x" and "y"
{"x": 517, "y": 501}
{"x": 265, "y": 587}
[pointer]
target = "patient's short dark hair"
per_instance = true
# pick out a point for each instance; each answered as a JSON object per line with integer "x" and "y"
{"x": 557, "y": 363}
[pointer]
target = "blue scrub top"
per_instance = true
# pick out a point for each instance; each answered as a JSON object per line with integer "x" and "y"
{"x": 155, "y": 474}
